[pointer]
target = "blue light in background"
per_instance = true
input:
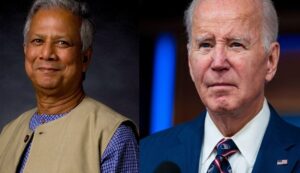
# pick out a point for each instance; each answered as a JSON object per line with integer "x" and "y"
{"x": 163, "y": 83}
{"x": 164, "y": 77}
{"x": 289, "y": 43}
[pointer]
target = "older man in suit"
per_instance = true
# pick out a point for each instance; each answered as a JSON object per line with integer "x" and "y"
{"x": 233, "y": 53}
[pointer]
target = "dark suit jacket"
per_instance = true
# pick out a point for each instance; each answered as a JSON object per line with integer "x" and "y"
{"x": 178, "y": 149}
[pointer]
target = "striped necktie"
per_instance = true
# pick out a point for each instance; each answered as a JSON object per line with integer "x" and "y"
{"x": 225, "y": 148}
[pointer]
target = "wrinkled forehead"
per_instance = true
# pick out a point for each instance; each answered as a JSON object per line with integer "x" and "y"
{"x": 243, "y": 15}
{"x": 227, "y": 10}
{"x": 237, "y": 6}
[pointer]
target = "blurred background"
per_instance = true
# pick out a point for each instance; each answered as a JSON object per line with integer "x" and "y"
{"x": 139, "y": 66}
{"x": 113, "y": 75}
{"x": 167, "y": 94}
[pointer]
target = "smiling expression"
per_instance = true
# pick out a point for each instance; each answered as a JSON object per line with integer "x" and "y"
{"x": 53, "y": 54}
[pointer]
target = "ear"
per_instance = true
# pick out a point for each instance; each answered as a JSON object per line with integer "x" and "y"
{"x": 191, "y": 70}
{"x": 189, "y": 62}
{"x": 86, "y": 59}
{"x": 24, "y": 48}
{"x": 273, "y": 58}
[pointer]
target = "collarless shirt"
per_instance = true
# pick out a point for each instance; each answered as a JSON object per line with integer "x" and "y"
{"x": 120, "y": 155}
{"x": 248, "y": 141}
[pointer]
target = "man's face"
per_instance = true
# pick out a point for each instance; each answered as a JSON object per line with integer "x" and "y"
{"x": 53, "y": 56}
{"x": 227, "y": 60}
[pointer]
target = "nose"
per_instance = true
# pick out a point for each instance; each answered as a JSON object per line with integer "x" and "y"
{"x": 219, "y": 59}
{"x": 48, "y": 52}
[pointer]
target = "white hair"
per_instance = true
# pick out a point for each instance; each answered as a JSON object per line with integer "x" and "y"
{"x": 76, "y": 7}
{"x": 269, "y": 22}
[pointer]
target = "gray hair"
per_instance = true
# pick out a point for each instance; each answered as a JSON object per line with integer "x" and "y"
{"x": 269, "y": 21}
{"x": 77, "y": 7}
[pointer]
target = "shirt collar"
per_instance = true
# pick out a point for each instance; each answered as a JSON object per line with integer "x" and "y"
{"x": 39, "y": 119}
{"x": 248, "y": 139}
{"x": 212, "y": 136}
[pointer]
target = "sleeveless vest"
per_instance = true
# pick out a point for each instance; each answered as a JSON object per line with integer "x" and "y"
{"x": 71, "y": 144}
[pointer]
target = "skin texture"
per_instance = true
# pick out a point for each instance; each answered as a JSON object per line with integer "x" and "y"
{"x": 228, "y": 62}
{"x": 54, "y": 60}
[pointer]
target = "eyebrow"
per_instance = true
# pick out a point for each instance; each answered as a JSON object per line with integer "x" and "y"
{"x": 64, "y": 37}
{"x": 239, "y": 39}
{"x": 209, "y": 37}
{"x": 204, "y": 37}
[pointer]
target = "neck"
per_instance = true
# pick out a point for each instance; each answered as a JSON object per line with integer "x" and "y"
{"x": 229, "y": 123}
{"x": 49, "y": 104}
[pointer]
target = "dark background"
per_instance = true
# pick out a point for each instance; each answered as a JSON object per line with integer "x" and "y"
{"x": 166, "y": 16}
{"x": 120, "y": 74}
{"x": 113, "y": 75}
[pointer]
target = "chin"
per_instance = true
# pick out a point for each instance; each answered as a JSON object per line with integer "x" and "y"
{"x": 46, "y": 85}
{"x": 221, "y": 106}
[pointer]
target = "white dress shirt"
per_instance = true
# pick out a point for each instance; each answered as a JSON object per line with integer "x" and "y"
{"x": 248, "y": 140}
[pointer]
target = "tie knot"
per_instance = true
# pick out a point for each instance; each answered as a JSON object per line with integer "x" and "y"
{"x": 226, "y": 147}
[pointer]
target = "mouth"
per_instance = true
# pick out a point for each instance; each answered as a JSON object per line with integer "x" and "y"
{"x": 47, "y": 69}
{"x": 221, "y": 85}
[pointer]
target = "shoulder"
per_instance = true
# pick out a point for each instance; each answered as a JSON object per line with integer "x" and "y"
{"x": 291, "y": 130}
{"x": 164, "y": 137}
{"x": 103, "y": 120}
{"x": 98, "y": 112}
{"x": 278, "y": 126}
{"x": 289, "y": 135}
{"x": 281, "y": 132}
{"x": 283, "y": 138}
{"x": 124, "y": 139}
{"x": 172, "y": 145}
{"x": 122, "y": 151}
{"x": 92, "y": 105}
{"x": 10, "y": 130}
{"x": 173, "y": 134}
{"x": 24, "y": 118}
{"x": 103, "y": 114}
{"x": 124, "y": 134}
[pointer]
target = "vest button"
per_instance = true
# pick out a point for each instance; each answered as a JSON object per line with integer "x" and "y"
{"x": 26, "y": 138}
{"x": 43, "y": 121}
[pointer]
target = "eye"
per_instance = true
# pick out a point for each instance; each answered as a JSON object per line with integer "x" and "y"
{"x": 205, "y": 45}
{"x": 37, "y": 41}
{"x": 62, "y": 44}
{"x": 236, "y": 45}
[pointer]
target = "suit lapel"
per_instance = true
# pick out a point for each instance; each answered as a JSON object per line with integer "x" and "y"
{"x": 278, "y": 146}
{"x": 275, "y": 153}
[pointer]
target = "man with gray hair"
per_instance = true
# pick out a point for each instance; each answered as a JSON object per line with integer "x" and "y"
{"x": 67, "y": 132}
{"x": 232, "y": 55}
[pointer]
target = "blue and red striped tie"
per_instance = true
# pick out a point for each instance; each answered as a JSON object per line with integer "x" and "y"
{"x": 225, "y": 148}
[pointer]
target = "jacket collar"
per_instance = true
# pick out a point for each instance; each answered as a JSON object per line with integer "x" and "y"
{"x": 276, "y": 151}
{"x": 277, "y": 146}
